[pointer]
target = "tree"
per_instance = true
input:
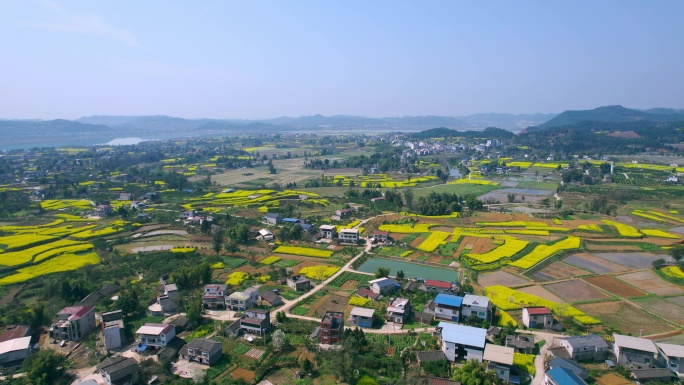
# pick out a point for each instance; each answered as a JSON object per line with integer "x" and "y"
{"x": 194, "y": 310}
{"x": 217, "y": 240}
{"x": 400, "y": 274}
{"x": 205, "y": 272}
{"x": 658, "y": 263}
{"x": 281, "y": 317}
{"x": 408, "y": 199}
{"x": 271, "y": 168}
{"x": 677, "y": 252}
{"x": 239, "y": 233}
{"x": 46, "y": 367}
{"x": 129, "y": 300}
{"x": 475, "y": 373}
{"x": 306, "y": 365}
{"x": 278, "y": 340}
{"x": 382, "y": 272}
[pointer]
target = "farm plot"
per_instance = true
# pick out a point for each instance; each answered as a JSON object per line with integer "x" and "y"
{"x": 576, "y": 291}
{"x": 676, "y": 300}
{"x": 500, "y": 278}
{"x": 662, "y": 308}
{"x": 625, "y": 317}
{"x": 328, "y": 302}
{"x": 540, "y": 292}
{"x": 244, "y": 374}
{"x": 348, "y": 276}
{"x": 650, "y": 282}
{"x": 631, "y": 260}
{"x": 594, "y": 264}
{"x": 558, "y": 270}
{"x": 615, "y": 286}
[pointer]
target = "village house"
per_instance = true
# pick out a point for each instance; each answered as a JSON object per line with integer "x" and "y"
{"x": 214, "y": 296}
{"x": 75, "y": 322}
{"x": 256, "y": 321}
{"x": 383, "y": 286}
{"x": 155, "y": 336}
{"x": 331, "y": 328}
{"x": 361, "y": 317}
{"x": 15, "y": 331}
{"x": 537, "y": 317}
{"x": 571, "y": 366}
{"x": 202, "y": 350}
{"x": 328, "y": 231}
{"x": 348, "y": 236}
{"x": 462, "y": 342}
{"x": 299, "y": 283}
{"x": 672, "y": 356}
{"x": 272, "y": 219}
{"x": 103, "y": 210}
{"x": 265, "y": 235}
{"x": 381, "y": 236}
{"x": 125, "y": 196}
{"x": 435, "y": 286}
{"x": 269, "y": 298}
{"x": 119, "y": 371}
{"x": 448, "y": 307}
{"x": 113, "y": 329}
{"x": 521, "y": 343}
{"x": 186, "y": 215}
{"x": 562, "y": 376}
{"x": 423, "y": 357}
{"x": 342, "y": 214}
{"x": 399, "y": 310}
{"x": 13, "y": 352}
{"x": 583, "y": 348}
{"x": 243, "y": 300}
{"x": 634, "y": 352}
{"x": 654, "y": 375}
{"x": 477, "y": 305}
{"x": 291, "y": 221}
{"x": 500, "y": 360}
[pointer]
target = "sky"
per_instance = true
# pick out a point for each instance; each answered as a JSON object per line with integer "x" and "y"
{"x": 263, "y": 59}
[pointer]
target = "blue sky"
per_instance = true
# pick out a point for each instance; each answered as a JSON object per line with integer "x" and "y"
{"x": 262, "y": 59}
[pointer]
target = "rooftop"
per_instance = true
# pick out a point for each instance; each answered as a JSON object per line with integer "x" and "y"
{"x": 15, "y": 331}
{"x": 562, "y": 376}
{"x": 499, "y": 354}
{"x": 383, "y": 282}
{"x": 449, "y": 300}
{"x": 538, "y": 311}
{"x": 672, "y": 350}
{"x": 75, "y": 311}
{"x": 463, "y": 335}
{"x": 430, "y": 355}
{"x": 349, "y": 231}
{"x": 590, "y": 340}
{"x": 635, "y": 343}
{"x": 170, "y": 287}
{"x": 362, "y": 312}
{"x": 154, "y": 329}
{"x": 115, "y": 364}
{"x": 203, "y": 344}
{"x": 440, "y": 284}
{"x": 15, "y": 344}
{"x": 475, "y": 300}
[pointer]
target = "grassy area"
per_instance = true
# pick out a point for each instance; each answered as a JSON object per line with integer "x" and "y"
{"x": 460, "y": 189}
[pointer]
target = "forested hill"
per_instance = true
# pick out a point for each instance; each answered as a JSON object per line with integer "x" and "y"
{"x": 442, "y": 132}
{"x": 614, "y": 114}
{"x": 47, "y": 127}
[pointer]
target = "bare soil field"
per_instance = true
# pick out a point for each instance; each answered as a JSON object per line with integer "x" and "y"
{"x": 625, "y": 317}
{"x": 594, "y": 264}
{"x": 576, "y": 291}
{"x": 245, "y": 374}
{"x": 483, "y": 245}
{"x": 500, "y": 278}
{"x": 632, "y": 260}
{"x": 590, "y": 246}
{"x": 662, "y": 308}
{"x": 615, "y": 286}
{"x": 418, "y": 241}
{"x": 676, "y": 300}
{"x": 329, "y": 302}
{"x": 558, "y": 270}
{"x": 650, "y": 282}
{"x": 349, "y": 285}
{"x": 541, "y": 292}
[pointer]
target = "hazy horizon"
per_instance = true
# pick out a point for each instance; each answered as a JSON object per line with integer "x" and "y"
{"x": 269, "y": 59}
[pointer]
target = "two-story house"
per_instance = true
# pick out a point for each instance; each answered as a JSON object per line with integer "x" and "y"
{"x": 328, "y": 231}
{"x": 113, "y": 329}
{"x": 448, "y": 307}
{"x": 583, "y": 348}
{"x": 399, "y": 310}
{"x": 436, "y": 286}
{"x": 348, "y": 236}
{"x": 635, "y": 352}
{"x": 214, "y": 296}
{"x": 537, "y": 317}
{"x": 499, "y": 359}
{"x": 273, "y": 219}
{"x": 202, "y": 350}
{"x": 332, "y": 327}
{"x": 672, "y": 356}
{"x": 361, "y": 317}
{"x": 155, "y": 336}
{"x": 298, "y": 283}
{"x": 243, "y": 300}
{"x": 256, "y": 321}
{"x": 75, "y": 322}
{"x": 119, "y": 371}
{"x": 13, "y": 352}
{"x": 383, "y": 286}
{"x": 462, "y": 342}
{"x": 477, "y": 305}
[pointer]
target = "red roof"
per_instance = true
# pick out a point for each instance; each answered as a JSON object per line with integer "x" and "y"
{"x": 14, "y": 332}
{"x": 538, "y": 310}
{"x": 76, "y": 311}
{"x": 440, "y": 284}
{"x": 381, "y": 233}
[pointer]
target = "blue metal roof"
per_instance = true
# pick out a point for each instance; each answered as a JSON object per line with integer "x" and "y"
{"x": 562, "y": 376}
{"x": 295, "y": 220}
{"x": 450, "y": 300}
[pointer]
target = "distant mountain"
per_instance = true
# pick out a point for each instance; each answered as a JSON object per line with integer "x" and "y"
{"x": 10, "y": 128}
{"x": 615, "y": 114}
{"x": 442, "y": 132}
{"x": 510, "y": 121}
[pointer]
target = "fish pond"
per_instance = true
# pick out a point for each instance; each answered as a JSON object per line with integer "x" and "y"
{"x": 411, "y": 270}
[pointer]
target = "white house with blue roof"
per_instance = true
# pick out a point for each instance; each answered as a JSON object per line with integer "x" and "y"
{"x": 462, "y": 342}
{"x": 448, "y": 307}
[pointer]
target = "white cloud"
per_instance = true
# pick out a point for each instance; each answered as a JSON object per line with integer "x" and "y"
{"x": 93, "y": 25}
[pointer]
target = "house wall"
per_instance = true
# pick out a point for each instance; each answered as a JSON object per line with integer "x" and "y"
{"x": 363, "y": 322}
{"x": 591, "y": 353}
{"x": 445, "y": 313}
{"x": 454, "y": 351}
{"x": 15, "y": 355}
{"x": 112, "y": 337}
{"x": 627, "y": 356}
{"x": 481, "y": 312}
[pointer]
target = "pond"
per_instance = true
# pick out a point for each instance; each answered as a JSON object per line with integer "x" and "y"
{"x": 411, "y": 270}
